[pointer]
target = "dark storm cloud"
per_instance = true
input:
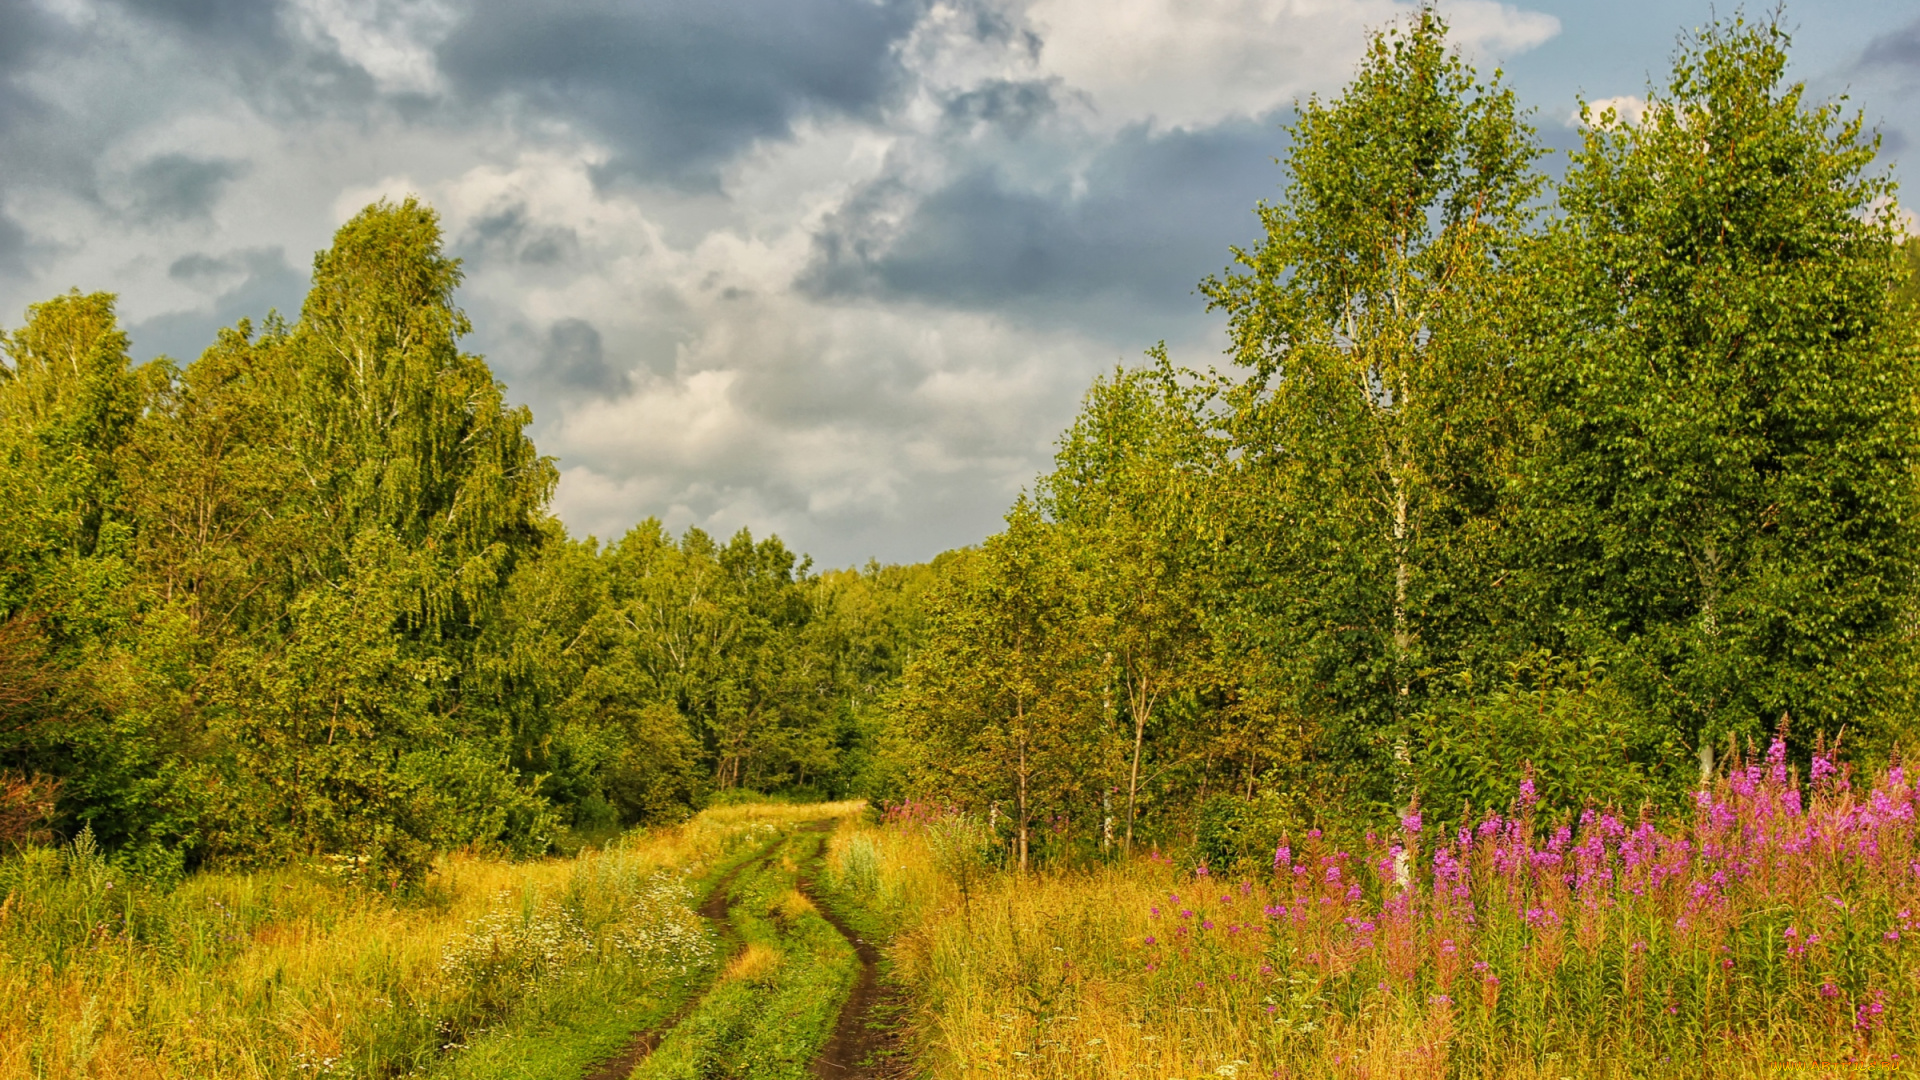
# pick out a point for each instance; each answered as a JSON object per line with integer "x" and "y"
{"x": 574, "y": 357}
{"x": 1013, "y": 106}
{"x": 23, "y": 28}
{"x": 13, "y": 246}
{"x": 246, "y": 284}
{"x": 1892, "y": 60}
{"x": 678, "y": 86}
{"x": 1157, "y": 214}
{"x": 25, "y": 32}
{"x": 1899, "y": 49}
{"x": 255, "y": 22}
{"x": 176, "y": 187}
{"x": 509, "y": 234}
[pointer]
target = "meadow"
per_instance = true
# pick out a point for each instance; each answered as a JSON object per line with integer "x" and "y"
{"x": 1771, "y": 932}
{"x": 492, "y": 968}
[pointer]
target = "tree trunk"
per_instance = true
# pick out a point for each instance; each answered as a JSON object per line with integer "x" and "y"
{"x": 1020, "y": 712}
{"x": 1402, "y": 646}
{"x": 1133, "y": 777}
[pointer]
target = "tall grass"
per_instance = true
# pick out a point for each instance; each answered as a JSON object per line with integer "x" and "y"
{"x": 1770, "y": 932}
{"x": 296, "y": 972}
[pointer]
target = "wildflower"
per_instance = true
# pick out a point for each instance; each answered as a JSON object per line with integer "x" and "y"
{"x": 1828, "y": 991}
{"x": 1411, "y": 822}
{"x": 1866, "y": 1017}
{"x": 1150, "y": 940}
{"x": 1822, "y": 768}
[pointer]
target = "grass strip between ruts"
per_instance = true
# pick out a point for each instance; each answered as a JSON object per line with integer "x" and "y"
{"x": 768, "y": 1014}
{"x": 563, "y": 1033}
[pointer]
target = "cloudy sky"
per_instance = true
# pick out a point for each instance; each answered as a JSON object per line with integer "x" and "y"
{"x": 839, "y": 269}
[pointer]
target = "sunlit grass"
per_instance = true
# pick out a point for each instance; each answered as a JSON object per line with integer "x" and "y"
{"x": 1751, "y": 938}
{"x": 292, "y": 972}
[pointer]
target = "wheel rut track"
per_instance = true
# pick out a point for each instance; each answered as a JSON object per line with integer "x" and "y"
{"x": 715, "y": 909}
{"x": 853, "y": 1040}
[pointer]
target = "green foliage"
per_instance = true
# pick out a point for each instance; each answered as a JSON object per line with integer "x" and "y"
{"x": 1566, "y": 725}
{"x": 303, "y": 598}
{"x": 1585, "y": 487}
{"x": 1718, "y": 501}
{"x": 1369, "y": 444}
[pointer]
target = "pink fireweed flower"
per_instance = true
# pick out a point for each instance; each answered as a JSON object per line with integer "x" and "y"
{"x": 1411, "y": 823}
{"x": 1867, "y": 1016}
{"x": 1150, "y": 940}
{"x": 1828, "y": 991}
{"x": 1282, "y": 856}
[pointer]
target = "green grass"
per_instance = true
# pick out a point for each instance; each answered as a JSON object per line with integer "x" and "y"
{"x": 770, "y": 1025}
{"x": 494, "y": 968}
{"x": 590, "y": 1017}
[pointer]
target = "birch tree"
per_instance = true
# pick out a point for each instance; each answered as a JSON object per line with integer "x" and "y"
{"x": 1370, "y": 427}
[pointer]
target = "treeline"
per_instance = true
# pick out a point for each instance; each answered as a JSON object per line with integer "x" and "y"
{"x": 1589, "y": 480}
{"x": 1594, "y": 479}
{"x": 303, "y": 596}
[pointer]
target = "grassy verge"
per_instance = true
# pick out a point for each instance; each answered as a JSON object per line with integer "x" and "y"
{"x": 560, "y": 1033}
{"x": 295, "y": 972}
{"x": 1770, "y": 933}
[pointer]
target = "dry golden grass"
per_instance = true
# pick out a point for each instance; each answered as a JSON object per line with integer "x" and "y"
{"x": 1042, "y": 978}
{"x": 268, "y": 974}
{"x": 792, "y": 907}
{"x": 781, "y": 813}
{"x": 756, "y": 963}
